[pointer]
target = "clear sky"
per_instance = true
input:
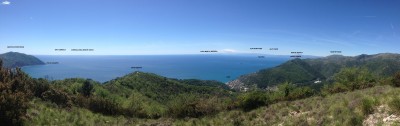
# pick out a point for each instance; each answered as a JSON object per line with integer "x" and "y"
{"x": 137, "y": 27}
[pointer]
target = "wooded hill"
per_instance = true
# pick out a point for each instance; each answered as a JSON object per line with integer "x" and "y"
{"x": 307, "y": 71}
{"x": 15, "y": 59}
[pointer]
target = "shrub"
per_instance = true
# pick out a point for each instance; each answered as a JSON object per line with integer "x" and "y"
{"x": 396, "y": 80}
{"x": 81, "y": 101}
{"x": 355, "y": 120}
{"x": 13, "y": 106}
{"x": 286, "y": 89}
{"x": 194, "y": 106}
{"x": 104, "y": 106}
{"x": 355, "y": 78}
{"x": 57, "y": 96}
{"x": 182, "y": 106}
{"x": 338, "y": 87}
{"x": 144, "y": 107}
{"x": 175, "y": 107}
{"x": 252, "y": 100}
{"x": 289, "y": 91}
{"x": 206, "y": 106}
{"x": 395, "y": 105}
{"x": 14, "y": 95}
{"x": 300, "y": 92}
{"x": 40, "y": 86}
{"x": 367, "y": 105}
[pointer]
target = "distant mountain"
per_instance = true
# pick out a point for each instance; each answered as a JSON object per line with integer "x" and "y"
{"x": 307, "y": 71}
{"x": 15, "y": 59}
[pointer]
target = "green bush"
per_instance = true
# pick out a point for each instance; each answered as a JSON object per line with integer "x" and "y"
{"x": 367, "y": 105}
{"x": 105, "y": 106}
{"x": 334, "y": 88}
{"x": 81, "y": 101}
{"x": 300, "y": 92}
{"x": 141, "y": 106}
{"x": 355, "y": 120}
{"x": 252, "y": 100}
{"x": 338, "y": 87}
{"x": 41, "y": 85}
{"x": 194, "y": 106}
{"x": 396, "y": 80}
{"x": 355, "y": 78}
{"x": 289, "y": 91}
{"x": 395, "y": 104}
{"x": 206, "y": 106}
{"x": 181, "y": 106}
{"x": 57, "y": 96}
{"x": 349, "y": 79}
{"x": 14, "y": 95}
{"x": 13, "y": 106}
{"x": 286, "y": 89}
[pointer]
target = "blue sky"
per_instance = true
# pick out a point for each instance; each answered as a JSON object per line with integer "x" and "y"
{"x": 147, "y": 27}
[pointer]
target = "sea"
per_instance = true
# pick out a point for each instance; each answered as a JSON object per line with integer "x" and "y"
{"x": 222, "y": 68}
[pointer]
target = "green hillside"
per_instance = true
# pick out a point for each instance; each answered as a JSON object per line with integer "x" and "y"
{"x": 15, "y": 59}
{"x": 147, "y": 95}
{"x": 297, "y": 71}
{"x": 385, "y": 64}
{"x": 161, "y": 88}
{"x": 307, "y": 71}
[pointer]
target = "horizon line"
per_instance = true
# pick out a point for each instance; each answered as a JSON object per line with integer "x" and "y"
{"x": 242, "y": 53}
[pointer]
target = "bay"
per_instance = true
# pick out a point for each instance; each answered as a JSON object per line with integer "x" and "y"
{"x": 222, "y": 68}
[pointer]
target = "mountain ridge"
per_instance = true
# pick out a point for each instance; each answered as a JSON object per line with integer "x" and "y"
{"x": 308, "y": 71}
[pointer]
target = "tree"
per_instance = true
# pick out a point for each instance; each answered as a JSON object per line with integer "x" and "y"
{"x": 87, "y": 88}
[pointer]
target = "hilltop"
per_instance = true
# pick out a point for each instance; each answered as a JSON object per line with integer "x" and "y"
{"x": 15, "y": 59}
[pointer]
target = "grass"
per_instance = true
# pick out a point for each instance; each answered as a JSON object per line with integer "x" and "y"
{"x": 348, "y": 108}
{"x": 45, "y": 113}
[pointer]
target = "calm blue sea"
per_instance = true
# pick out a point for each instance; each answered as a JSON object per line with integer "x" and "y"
{"x": 103, "y": 68}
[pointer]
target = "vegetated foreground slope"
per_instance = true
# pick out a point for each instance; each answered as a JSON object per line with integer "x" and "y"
{"x": 15, "y": 59}
{"x": 150, "y": 99}
{"x": 373, "y": 106}
{"x": 137, "y": 95}
{"x": 307, "y": 71}
{"x": 379, "y": 105}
